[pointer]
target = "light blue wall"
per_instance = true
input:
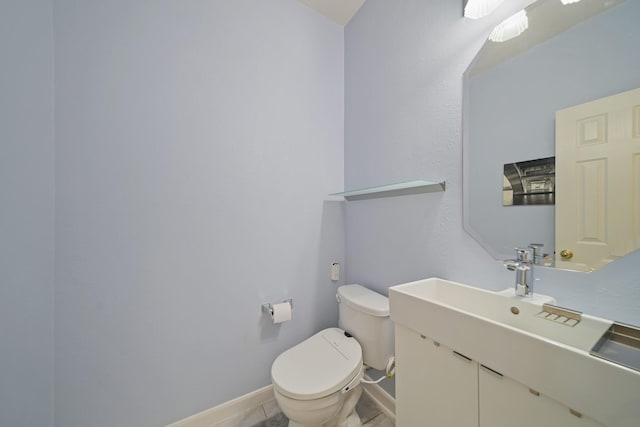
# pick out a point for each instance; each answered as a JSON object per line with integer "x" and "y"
{"x": 26, "y": 213}
{"x": 403, "y": 107}
{"x": 570, "y": 69}
{"x": 196, "y": 142}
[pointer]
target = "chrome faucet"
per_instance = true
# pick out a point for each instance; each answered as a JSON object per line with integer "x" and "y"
{"x": 523, "y": 266}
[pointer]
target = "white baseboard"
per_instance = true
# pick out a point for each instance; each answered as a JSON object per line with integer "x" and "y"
{"x": 217, "y": 414}
{"x": 384, "y": 400}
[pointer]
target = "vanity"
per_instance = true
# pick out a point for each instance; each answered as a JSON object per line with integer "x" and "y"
{"x": 471, "y": 357}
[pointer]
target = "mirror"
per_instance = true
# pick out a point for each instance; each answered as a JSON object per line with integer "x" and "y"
{"x": 569, "y": 55}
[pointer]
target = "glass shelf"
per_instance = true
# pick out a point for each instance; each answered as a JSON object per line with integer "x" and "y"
{"x": 392, "y": 190}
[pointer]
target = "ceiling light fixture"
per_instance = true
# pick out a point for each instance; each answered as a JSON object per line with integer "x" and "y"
{"x": 510, "y": 27}
{"x": 565, "y": 2}
{"x": 476, "y": 9}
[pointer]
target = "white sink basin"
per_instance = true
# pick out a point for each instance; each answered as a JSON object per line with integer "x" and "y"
{"x": 506, "y": 309}
{"x": 508, "y": 335}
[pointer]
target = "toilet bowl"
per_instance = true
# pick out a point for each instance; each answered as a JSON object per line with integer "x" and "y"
{"x": 323, "y": 412}
{"x": 317, "y": 382}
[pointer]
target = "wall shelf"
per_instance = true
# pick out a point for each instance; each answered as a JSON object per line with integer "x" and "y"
{"x": 392, "y": 190}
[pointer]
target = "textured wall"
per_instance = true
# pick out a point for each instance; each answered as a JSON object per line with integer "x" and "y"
{"x": 403, "y": 107}
{"x": 195, "y": 145}
{"x": 26, "y": 213}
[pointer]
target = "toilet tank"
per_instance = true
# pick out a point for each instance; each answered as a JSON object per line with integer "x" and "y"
{"x": 365, "y": 315}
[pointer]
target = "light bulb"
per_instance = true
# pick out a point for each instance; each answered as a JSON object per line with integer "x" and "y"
{"x": 510, "y": 27}
{"x": 476, "y": 9}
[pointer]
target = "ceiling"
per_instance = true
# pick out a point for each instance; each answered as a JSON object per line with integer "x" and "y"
{"x": 340, "y": 11}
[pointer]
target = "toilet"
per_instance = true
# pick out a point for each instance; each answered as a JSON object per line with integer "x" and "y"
{"x": 317, "y": 383}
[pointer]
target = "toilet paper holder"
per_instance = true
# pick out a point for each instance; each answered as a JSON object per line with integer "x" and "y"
{"x": 268, "y": 307}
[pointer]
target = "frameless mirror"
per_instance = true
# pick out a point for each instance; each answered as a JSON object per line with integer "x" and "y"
{"x": 569, "y": 55}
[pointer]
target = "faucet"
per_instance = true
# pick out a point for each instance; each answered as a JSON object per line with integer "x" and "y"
{"x": 523, "y": 266}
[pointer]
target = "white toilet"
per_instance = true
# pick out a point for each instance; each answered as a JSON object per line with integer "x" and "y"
{"x": 317, "y": 382}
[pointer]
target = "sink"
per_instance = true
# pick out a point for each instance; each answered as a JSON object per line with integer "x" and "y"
{"x": 527, "y": 339}
{"x": 521, "y": 313}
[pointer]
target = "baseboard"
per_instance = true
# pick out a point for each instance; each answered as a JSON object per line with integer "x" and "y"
{"x": 217, "y": 414}
{"x": 384, "y": 400}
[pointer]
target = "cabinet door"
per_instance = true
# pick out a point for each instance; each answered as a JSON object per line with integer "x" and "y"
{"x": 507, "y": 403}
{"x": 435, "y": 387}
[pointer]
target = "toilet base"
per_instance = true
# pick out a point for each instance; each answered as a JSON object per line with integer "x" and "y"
{"x": 346, "y": 416}
{"x": 353, "y": 420}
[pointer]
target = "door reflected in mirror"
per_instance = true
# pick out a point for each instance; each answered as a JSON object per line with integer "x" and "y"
{"x": 598, "y": 156}
{"x": 569, "y": 55}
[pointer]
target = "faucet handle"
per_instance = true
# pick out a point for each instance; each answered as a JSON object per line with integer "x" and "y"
{"x": 524, "y": 255}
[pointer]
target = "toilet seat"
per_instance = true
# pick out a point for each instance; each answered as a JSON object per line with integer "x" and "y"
{"x": 318, "y": 366}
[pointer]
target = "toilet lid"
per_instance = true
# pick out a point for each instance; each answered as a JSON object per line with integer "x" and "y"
{"x": 318, "y": 366}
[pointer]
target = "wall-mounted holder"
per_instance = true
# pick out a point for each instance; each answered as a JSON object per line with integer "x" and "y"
{"x": 268, "y": 307}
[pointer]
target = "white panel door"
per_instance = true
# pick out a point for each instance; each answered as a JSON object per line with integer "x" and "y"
{"x": 598, "y": 181}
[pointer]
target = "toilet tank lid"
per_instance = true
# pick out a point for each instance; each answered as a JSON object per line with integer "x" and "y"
{"x": 364, "y": 300}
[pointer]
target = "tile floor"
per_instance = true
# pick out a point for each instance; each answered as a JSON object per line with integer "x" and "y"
{"x": 269, "y": 415}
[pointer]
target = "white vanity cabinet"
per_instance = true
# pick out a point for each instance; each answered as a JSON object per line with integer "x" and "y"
{"x": 504, "y": 402}
{"x": 434, "y": 385}
{"x": 437, "y": 386}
